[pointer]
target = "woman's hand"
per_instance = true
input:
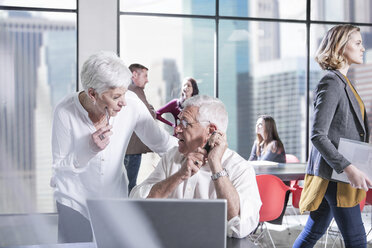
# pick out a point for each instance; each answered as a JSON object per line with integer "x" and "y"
{"x": 358, "y": 179}
{"x": 101, "y": 137}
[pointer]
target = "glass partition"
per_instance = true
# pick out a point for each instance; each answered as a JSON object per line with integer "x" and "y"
{"x": 55, "y": 4}
{"x": 283, "y": 9}
{"x": 172, "y": 49}
{"x": 263, "y": 72}
{"x": 341, "y": 11}
{"x": 188, "y": 7}
{"x": 37, "y": 68}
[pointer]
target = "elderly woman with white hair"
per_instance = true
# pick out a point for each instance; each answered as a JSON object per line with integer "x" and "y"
{"x": 192, "y": 170}
{"x": 91, "y": 131}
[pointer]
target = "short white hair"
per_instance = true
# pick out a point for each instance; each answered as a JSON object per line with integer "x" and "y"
{"x": 211, "y": 110}
{"x": 103, "y": 71}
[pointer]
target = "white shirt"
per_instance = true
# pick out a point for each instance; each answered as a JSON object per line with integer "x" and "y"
{"x": 201, "y": 186}
{"x": 79, "y": 172}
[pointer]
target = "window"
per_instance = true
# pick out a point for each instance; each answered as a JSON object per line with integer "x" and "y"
{"x": 262, "y": 63}
{"x": 37, "y": 68}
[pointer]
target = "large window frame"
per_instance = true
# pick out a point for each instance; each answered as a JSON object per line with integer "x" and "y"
{"x": 217, "y": 17}
{"x": 24, "y": 9}
{"x": 36, "y": 9}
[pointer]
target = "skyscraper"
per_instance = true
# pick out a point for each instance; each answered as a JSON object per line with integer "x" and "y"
{"x": 22, "y": 38}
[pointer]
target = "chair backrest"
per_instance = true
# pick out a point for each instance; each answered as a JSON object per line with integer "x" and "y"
{"x": 290, "y": 158}
{"x": 369, "y": 197}
{"x": 272, "y": 192}
{"x": 362, "y": 203}
{"x": 296, "y": 195}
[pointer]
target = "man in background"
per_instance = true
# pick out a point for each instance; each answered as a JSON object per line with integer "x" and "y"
{"x": 132, "y": 160}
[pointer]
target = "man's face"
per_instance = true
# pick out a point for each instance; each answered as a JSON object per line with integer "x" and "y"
{"x": 194, "y": 134}
{"x": 139, "y": 78}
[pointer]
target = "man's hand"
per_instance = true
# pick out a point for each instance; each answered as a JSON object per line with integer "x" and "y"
{"x": 358, "y": 179}
{"x": 194, "y": 161}
{"x": 218, "y": 143}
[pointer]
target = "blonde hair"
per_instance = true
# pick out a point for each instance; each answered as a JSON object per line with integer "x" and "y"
{"x": 330, "y": 54}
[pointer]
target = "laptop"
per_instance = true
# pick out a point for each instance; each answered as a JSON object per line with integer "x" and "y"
{"x": 158, "y": 223}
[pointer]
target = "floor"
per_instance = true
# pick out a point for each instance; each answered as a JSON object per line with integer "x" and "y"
{"x": 284, "y": 235}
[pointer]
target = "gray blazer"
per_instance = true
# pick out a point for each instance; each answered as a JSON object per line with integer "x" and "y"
{"x": 336, "y": 115}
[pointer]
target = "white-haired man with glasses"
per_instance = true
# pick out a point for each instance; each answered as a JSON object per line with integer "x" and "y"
{"x": 190, "y": 172}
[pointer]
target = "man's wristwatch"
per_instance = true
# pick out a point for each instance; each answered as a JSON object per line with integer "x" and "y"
{"x": 217, "y": 175}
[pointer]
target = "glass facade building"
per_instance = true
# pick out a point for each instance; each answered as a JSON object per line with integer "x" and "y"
{"x": 257, "y": 56}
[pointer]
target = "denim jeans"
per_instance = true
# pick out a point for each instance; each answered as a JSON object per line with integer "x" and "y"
{"x": 349, "y": 222}
{"x": 132, "y": 164}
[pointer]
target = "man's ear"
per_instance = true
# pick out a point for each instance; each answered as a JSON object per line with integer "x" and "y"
{"x": 134, "y": 74}
{"x": 212, "y": 128}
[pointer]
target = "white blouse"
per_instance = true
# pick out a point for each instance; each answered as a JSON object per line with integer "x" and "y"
{"x": 79, "y": 172}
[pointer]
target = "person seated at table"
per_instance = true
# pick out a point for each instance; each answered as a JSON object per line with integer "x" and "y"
{"x": 269, "y": 147}
{"x": 189, "y": 171}
{"x": 189, "y": 89}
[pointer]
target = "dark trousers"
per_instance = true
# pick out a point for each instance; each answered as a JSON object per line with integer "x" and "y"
{"x": 132, "y": 164}
{"x": 349, "y": 222}
{"x": 73, "y": 227}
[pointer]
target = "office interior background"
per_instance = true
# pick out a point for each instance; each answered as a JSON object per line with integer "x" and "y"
{"x": 257, "y": 56}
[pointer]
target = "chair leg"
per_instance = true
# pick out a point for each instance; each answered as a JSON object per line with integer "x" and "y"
{"x": 338, "y": 236}
{"x": 255, "y": 238}
{"x": 272, "y": 241}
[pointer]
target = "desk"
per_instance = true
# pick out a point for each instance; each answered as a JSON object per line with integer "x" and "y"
{"x": 231, "y": 243}
{"x": 285, "y": 172}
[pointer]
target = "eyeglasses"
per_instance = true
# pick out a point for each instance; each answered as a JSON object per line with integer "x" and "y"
{"x": 184, "y": 123}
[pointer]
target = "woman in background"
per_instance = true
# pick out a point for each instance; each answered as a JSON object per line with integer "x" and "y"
{"x": 339, "y": 112}
{"x": 267, "y": 145}
{"x": 190, "y": 88}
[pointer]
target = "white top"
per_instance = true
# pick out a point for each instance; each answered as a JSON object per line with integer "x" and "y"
{"x": 79, "y": 172}
{"x": 201, "y": 186}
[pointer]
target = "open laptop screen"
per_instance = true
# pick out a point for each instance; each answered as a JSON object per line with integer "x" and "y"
{"x": 158, "y": 222}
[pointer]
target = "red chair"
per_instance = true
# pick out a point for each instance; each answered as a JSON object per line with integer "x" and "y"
{"x": 290, "y": 158}
{"x": 272, "y": 192}
{"x": 369, "y": 197}
{"x": 296, "y": 193}
{"x": 296, "y": 189}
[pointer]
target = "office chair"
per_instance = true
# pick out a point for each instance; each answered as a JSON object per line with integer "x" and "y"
{"x": 272, "y": 192}
{"x": 296, "y": 188}
{"x": 290, "y": 158}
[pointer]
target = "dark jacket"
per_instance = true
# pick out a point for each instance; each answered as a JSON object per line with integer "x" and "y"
{"x": 336, "y": 115}
{"x": 135, "y": 145}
